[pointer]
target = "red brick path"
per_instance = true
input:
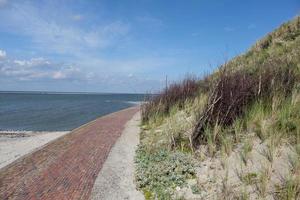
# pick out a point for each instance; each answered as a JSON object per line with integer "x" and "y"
{"x": 67, "y": 167}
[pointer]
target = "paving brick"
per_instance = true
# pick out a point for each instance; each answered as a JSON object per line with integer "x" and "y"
{"x": 67, "y": 167}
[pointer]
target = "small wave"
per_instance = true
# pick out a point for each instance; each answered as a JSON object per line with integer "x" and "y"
{"x": 135, "y": 102}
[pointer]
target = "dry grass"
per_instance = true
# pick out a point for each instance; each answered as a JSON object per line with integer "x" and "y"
{"x": 246, "y": 150}
{"x": 289, "y": 188}
{"x": 269, "y": 151}
{"x": 175, "y": 94}
{"x": 235, "y": 91}
{"x": 262, "y": 183}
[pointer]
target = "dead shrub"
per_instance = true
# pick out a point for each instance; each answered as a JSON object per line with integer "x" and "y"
{"x": 235, "y": 91}
{"x": 175, "y": 94}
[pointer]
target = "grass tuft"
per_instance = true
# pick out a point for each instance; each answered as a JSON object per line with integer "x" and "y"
{"x": 269, "y": 151}
{"x": 246, "y": 150}
{"x": 262, "y": 183}
{"x": 289, "y": 189}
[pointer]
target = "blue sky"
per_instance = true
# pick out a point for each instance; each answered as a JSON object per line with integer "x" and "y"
{"x": 126, "y": 45}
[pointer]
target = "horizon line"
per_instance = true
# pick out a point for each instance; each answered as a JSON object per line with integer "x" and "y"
{"x": 57, "y": 92}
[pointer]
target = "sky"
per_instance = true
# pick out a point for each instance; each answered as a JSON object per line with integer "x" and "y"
{"x": 126, "y": 46}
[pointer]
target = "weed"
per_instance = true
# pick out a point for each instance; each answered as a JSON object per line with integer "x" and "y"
{"x": 256, "y": 119}
{"x": 294, "y": 163}
{"x": 238, "y": 128}
{"x": 289, "y": 189}
{"x": 262, "y": 182}
{"x": 242, "y": 195}
{"x": 250, "y": 178}
{"x": 195, "y": 189}
{"x": 223, "y": 159}
{"x": 269, "y": 151}
{"x": 212, "y": 134}
{"x": 246, "y": 150}
{"x": 226, "y": 144}
{"x": 239, "y": 173}
{"x": 294, "y": 160}
{"x": 226, "y": 188}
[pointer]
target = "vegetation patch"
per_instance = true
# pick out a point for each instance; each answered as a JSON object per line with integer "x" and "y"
{"x": 235, "y": 91}
{"x": 289, "y": 189}
{"x": 243, "y": 118}
{"x": 159, "y": 173}
{"x": 174, "y": 94}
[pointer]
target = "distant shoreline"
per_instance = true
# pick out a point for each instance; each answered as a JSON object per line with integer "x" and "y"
{"x": 56, "y": 92}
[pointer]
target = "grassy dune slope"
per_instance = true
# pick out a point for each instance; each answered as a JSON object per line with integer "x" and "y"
{"x": 234, "y": 134}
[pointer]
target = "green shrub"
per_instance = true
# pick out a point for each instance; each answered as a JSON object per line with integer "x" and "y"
{"x": 160, "y": 172}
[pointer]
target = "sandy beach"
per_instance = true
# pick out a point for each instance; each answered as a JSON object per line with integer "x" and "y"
{"x": 15, "y": 144}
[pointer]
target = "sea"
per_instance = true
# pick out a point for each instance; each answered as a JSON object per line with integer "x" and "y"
{"x": 50, "y": 111}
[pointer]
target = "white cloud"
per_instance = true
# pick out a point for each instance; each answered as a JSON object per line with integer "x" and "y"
{"x": 59, "y": 75}
{"x": 2, "y": 54}
{"x": 130, "y": 75}
{"x": 54, "y": 34}
{"x": 40, "y": 68}
{"x": 48, "y": 32}
{"x": 20, "y": 62}
{"x": 124, "y": 78}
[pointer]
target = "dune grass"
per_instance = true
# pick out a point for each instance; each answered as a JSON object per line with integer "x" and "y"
{"x": 255, "y": 96}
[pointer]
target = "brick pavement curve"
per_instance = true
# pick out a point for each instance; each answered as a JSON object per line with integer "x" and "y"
{"x": 67, "y": 167}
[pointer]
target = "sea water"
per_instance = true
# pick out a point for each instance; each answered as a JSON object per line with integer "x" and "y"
{"x": 40, "y": 111}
